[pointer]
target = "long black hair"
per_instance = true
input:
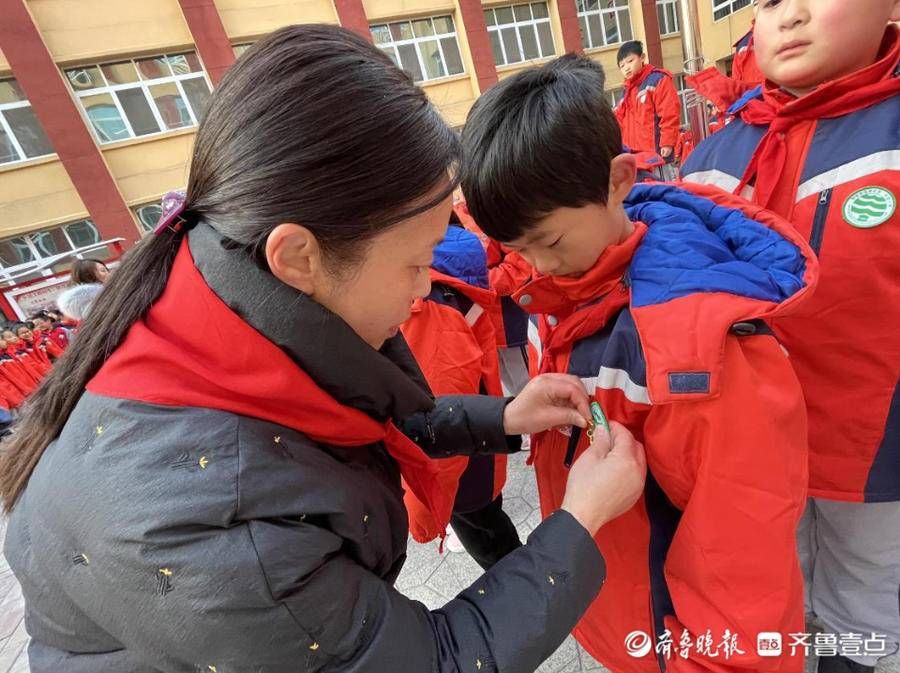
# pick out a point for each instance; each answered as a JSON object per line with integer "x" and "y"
{"x": 312, "y": 125}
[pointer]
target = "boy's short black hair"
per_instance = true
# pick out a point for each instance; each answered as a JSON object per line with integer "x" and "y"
{"x": 540, "y": 140}
{"x": 635, "y": 47}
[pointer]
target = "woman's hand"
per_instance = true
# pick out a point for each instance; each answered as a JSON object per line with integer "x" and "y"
{"x": 607, "y": 479}
{"x": 548, "y": 401}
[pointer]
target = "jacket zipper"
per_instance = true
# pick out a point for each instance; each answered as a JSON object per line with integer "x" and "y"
{"x": 819, "y": 218}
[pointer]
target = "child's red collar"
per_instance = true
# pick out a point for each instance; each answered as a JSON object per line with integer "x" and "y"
{"x": 560, "y": 295}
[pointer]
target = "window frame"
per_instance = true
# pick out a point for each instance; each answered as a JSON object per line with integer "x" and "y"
{"x": 615, "y": 96}
{"x": 37, "y": 255}
{"x": 661, "y": 5}
{"x": 516, "y": 25}
{"x": 144, "y": 86}
{"x": 143, "y": 227}
{"x": 416, "y": 42}
{"x": 728, "y": 7}
{"x": 7, "y": 129}
{"x": 616, "y": 9}
{"x": 684, "y": 92}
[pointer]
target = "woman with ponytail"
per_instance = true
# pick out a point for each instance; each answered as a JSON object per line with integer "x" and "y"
{"x": 210, "y": 477}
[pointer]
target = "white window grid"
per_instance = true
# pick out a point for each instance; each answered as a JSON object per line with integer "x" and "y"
{"x": 519, "y": 25}
{"x": 144, "y": 85}
{"x": 722, "y": 8}
{"x": 685, "y": 94}
{"x": 391, "y": 45}
{"x": 7, "y": 129}
{"x": 667, "y": 11}
{"x": 148, "y": 216}
{"x": 604, "y": 14}
{"x": 33, "y": 244}
{"x": 239, "y": 49}
{"x": 615, "y": 96}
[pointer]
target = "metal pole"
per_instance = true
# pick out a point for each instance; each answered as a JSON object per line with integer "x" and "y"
{"x": 695, "y": 106}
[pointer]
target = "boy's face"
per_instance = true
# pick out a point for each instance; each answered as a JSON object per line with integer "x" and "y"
{"x": 10, "y": 338}
{"x": 800, "y": 44}
{"x": 25, "y": 334}
{"x": 631, "y": 65}
{"x": 568, "y": 241}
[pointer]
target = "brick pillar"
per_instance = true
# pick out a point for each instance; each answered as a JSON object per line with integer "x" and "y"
{"x": 652, "y": 40}
{"x": 568, "y": 18}
{"x": 209, "y": 35}
{"x": 53, "y": 104}
{"x": 479, "y": 43}
{"x": 352, "y": 15}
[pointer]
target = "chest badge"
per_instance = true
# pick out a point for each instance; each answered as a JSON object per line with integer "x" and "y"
{"x": 868, "y": 207}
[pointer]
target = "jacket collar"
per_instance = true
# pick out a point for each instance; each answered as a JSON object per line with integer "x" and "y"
{"x": 383, "y": 384}
{"x": 561, "y": 296}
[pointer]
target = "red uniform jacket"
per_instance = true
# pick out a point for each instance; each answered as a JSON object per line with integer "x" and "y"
{"x": 649, "y": 113}
{"x": 666, "y": 333}
{"x": 452, "y": 334}
{"x": 794, "y": 157}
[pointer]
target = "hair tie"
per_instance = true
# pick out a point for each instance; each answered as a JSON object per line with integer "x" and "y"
{"x": 173, "y": 207}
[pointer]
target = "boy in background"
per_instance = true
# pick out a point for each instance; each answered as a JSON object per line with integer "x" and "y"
{"x": 821, "y": 147}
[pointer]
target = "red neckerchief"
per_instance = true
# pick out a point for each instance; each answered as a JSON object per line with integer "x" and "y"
{"x": 780, "y": 111}
{"x": 165, "y": 359}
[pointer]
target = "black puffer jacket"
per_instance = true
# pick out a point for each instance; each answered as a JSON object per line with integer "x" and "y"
{"x": 279, "y": 553}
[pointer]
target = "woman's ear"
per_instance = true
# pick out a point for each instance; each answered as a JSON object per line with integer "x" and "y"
{"x": 622, "y": 175}
{"x": 295, "y": 257}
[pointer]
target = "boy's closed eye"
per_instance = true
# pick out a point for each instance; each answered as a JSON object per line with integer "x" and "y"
{"x": 556, "y": 242}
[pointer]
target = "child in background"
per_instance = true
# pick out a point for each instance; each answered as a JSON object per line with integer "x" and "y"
{"x": 507, "y": 272}
{"x": 744, "y": 67}
{"x": 685, "y": 144}
{"x": 25, "y": 371}
{"x": 52, "y": 329}
{"x": 41, "y": 348}
{"x": 820, "y": 147}
{"x": 650, "y": 111}
{"x": 653, "y": 296}
{"x": 452, "y": 334}
{"x": 14, "y": 388}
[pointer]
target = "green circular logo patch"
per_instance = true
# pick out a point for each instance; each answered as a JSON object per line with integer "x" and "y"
{"x": 868, "y": 207}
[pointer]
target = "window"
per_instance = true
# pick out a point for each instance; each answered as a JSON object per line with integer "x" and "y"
{"x": 685, "y": 93}
{"x": 604, "y": 22}
{"x": 239, "y": 49}
{"x": 21, "y": 134}
{"x": 519, "y": 32}
{"x": 148, "y": 216}
{"x": 43, "y": 244}
{"x": 425, "y": 48}
{"x": 667, "y": 12}
{"x": 140, "y": 97}
{"x": 615, "y": 96}
{"x": 722, "y": 8}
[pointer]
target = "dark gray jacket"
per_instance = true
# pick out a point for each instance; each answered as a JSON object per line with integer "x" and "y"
{"x": 157, "y": 538}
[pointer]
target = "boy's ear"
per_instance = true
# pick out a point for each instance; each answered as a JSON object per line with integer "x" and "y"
{"x": 622, "y": 176}
{"x": 895, "y": 12}
{"x": 295, "y": 257}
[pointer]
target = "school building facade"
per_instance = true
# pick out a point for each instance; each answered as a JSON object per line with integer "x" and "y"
{"x": 100, "y": 99}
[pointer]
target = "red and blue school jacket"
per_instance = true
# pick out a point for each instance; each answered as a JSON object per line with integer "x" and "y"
{"x": 649, "y": 114}
{"x": 667, "y": 331}
{"x": 744, "y": 67}
{"x": 507, "y": 272}
{"x": 839, "y": 187}
{"x": 451, "y": 333}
